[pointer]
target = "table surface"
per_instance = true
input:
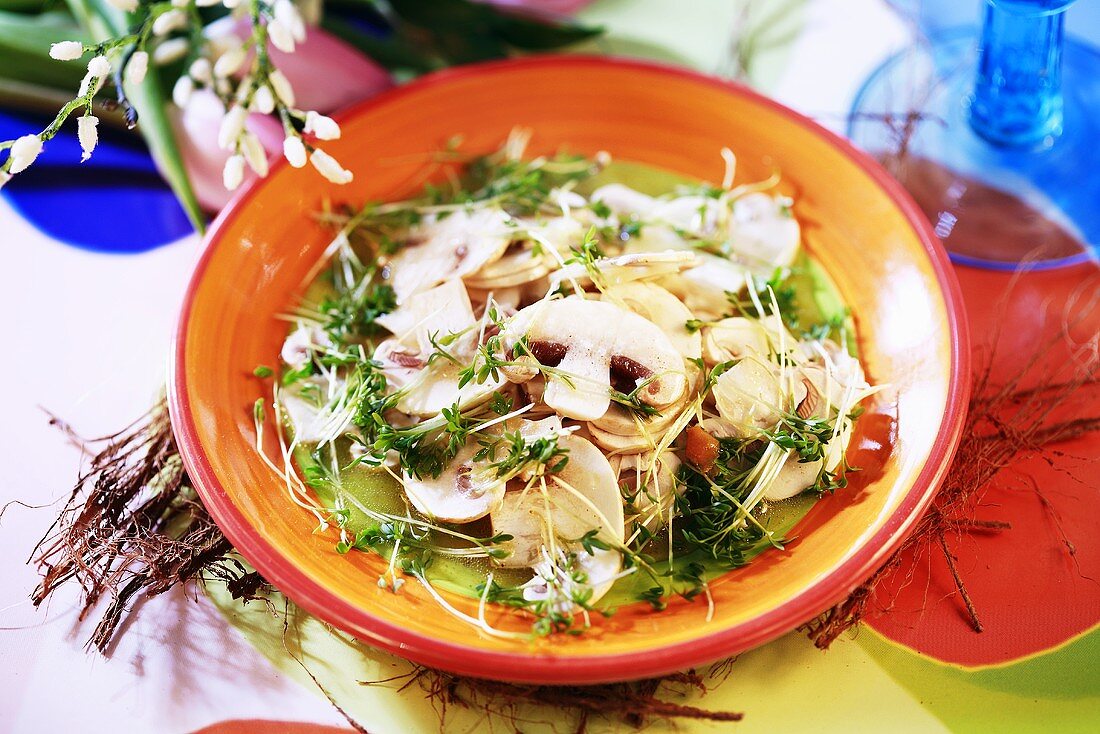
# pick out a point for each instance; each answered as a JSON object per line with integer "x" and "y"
{"x": 88, "y": 334}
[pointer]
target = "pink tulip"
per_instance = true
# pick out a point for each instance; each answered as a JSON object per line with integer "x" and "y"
{"x": 327, "y": 75}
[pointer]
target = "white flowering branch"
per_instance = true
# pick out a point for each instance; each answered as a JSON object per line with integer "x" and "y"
{"x": 166, "y": 31}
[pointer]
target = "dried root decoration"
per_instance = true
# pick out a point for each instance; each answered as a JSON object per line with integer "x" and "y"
{"x": 133, "y": 528}
{"x": 636, "y": 703}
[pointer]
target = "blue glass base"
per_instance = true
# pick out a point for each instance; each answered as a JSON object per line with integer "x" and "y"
{"x": 993, "y": 206}
{"x": 116, "y": 202}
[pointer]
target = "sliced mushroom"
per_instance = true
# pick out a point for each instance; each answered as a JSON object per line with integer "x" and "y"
{"x": 626, "y": 268}
{"x": 738, "y": 337}
{"x": 436, "y": 312}
{"x": 465, "y": 491}
{"x": 618, "y": 431}
{"x": 793, "y": 478}
{"x": 451, "y": 247}
{"x": 624, "y": 201}
{"x": 705, "y": 288}
{"x": 521, "y": 264}
{"x": 312, "y": 419}
{"x": 593, "y": 345}
{"x": 698, "y": 216}
{"x": 433, "y": 315}
{"x": 753, "y": 394}
{"x": 301, "y": 342}
{"x": 763, "y": 232}
{"x": 734, "y": 338}
{"x": 796, "y": 476}
{"x": 598, "y": 569}
{"x": 662, "y": 308}
{"x": 582, "y": 497}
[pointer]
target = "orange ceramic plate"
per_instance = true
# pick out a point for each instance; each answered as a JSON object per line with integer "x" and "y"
{"x": 857, "y": 223}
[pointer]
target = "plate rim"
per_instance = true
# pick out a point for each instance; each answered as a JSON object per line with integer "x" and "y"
{"x": 826, "y": 591}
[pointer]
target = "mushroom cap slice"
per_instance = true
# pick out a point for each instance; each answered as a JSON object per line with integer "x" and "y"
{"x": 624, "y": 201}
{"x": 441, "y": 249}
{"x": 528, "y": 261}
{"x": 662, "y": 308}
{"x": 617, "y": 430}
{"x": 589, "y": 341}
{"x": 435, "y": 313}
{"x": 763, "y": 231}
{"x": 704, "y": 288}
{"x": 310, "y": 422}
{"x": 444, "y": 309}
{"x": 626, "y": 268}
{"x": 463, "y": 492}
{"x": 734, "y": 338}
{"x": 793, "y": 478}
{"x": 516, "y": 267}
{"x": 697, "y": 215}
{"x": 752, "y": 395}
{"x": 796, "y": 477}
{"x": 583, "y": 496}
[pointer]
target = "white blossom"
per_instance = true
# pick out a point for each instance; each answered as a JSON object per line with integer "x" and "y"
{"x": 136, "y": 67}
{"x": 281, "y": 86}
{"x": 99, "y": 66}
{"x": 181, "y": 4}
{"x": 325, "y": 128}
{"x": 287, "y": 15}
{"x": 181, "y": 91}
{"x": 263, "y": 101}
{"x": 233, "y": 173}
{"x": 221, "y": 36}
{"x": 4, "y": 178}
{"x": 86, "y": 84}
{"x": 126, "y": 6}
{"x": 23, "y": 152}
{"x": 328, "y": 167}
{"x": 171, "y": 50}
{"x": 254, "y": 153}
{"x": 232, "y": 126}
{"x": 230, "y": 62}
{"x": 170, "y": 21}
{"x": 231, "y": 3}
{"x": 66, "y": 50}
{"x": 200, "y": 70}
{"x": 88, "y": 135}
{"x": 206, "y": 3}
{"x": 294, "y": 150}
{"x": 281, "y": 37}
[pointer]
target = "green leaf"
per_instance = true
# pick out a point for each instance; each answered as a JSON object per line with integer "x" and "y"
{"x": 532, "y": 35}
{"x": 25, "y": 49}
{"x": 24, "y": 6}
{"x": 393, "y": 53}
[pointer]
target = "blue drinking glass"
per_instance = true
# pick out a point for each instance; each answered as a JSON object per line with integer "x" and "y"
{"x": 996, "y": 134}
